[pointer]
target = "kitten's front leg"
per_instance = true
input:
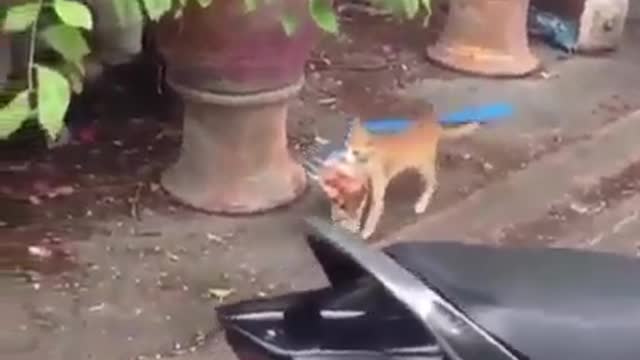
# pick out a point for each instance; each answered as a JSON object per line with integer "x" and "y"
{"x": 378, "y": 189}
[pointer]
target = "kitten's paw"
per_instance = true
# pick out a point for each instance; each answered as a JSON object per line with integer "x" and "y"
{"x": 366, "y": 233}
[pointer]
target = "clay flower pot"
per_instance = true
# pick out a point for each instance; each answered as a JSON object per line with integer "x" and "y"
{"x": 486, "y": 37}
{"x": 235, "y": 72}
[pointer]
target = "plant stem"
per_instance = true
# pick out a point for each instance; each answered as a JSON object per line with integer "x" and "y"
{"x": 32, "y": 46}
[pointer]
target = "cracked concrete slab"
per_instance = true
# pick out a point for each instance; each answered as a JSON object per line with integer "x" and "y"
{"x": 615, "y": 230}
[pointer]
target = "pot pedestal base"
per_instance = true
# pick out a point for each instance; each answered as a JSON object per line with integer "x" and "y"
{"x": 486, "y": 37}
{"x": 234, "y": 157}
{"x": 482, "y": 62}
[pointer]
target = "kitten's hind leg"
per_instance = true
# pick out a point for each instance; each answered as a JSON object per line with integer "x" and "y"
{"x": 428, "y": 174}
{"x": 378, "y": 189}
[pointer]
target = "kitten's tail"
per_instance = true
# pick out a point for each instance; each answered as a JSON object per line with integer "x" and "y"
{"x": 459, "y": 131}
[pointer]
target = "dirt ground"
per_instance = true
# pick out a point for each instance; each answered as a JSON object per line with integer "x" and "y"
{"x": 52, "y": 195}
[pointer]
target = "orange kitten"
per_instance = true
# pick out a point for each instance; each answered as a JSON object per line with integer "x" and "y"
{"x": 382, "y": 156}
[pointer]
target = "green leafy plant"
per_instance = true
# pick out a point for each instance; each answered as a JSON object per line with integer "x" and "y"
{"x": 61, "y": 26}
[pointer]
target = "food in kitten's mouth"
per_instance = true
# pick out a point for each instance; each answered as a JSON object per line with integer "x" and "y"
{"x": 341, "y": 179}
{"x": 347, "y": 187}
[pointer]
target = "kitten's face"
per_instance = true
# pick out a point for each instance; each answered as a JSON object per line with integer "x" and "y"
{"x": 360, "y": 146}
{"x": 346, "y": 187}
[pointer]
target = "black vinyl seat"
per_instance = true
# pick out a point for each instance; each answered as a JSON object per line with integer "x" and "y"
{"x": 548, "y": 304}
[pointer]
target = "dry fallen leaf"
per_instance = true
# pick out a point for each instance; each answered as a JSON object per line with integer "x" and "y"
{"x": 215, "y": 238}
{"x": 487, "y": 166}
{"x": 579, "y": 208}
{"x": 60, "y": 191}
{"x": 327, "y": 101}
{"x": 40, "y": 251}
{"x": 34, "y": 200}
{"x": 98, "y": 307}
{"x": 220, "y": 294}
{"x": 172, "y": 257}
{"x": 548, "y": 75}
{"x": 320, "y": 140}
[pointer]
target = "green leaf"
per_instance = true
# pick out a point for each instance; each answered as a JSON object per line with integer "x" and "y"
{"x": 74, "y": 74}
{"x": 180, "y": 9}
{"x": 20, "y": 17}
{"x": 322, "y": 13}
{"x": 411, "y": 7}
{"x": 128, "y": 12}
{"x": 427, "y": 6}
{"x": 68, "y": 41}
{"x": 73, "y": 13}
{"x": 54, "y": 96}
{"x": 250, "y": 5}
{"x": 405, "y": 8}
{"x": 14, "y": 114}
{"x": 157, "y": 8}
{"x": 289, "y": 24}
{"x": 204, "y": 3}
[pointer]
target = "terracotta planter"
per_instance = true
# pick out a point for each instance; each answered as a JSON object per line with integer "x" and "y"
{"x": 486, "y": 37}
{"x": 235, "y": 72}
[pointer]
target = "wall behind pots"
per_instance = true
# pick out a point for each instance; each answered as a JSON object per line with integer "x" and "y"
{"x": 5, "y": 58}
{"x": 569, "y": 8}
{"x": 634, "y": 9}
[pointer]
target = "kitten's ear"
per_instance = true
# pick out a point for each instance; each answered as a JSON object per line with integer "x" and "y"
{"x": 352, "y": 123}
{"x": 357, "y": 130}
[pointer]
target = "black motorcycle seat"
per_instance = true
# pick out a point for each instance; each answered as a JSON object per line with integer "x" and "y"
{"x": 548, "y": 304}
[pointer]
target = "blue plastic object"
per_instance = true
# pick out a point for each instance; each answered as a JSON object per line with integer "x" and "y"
{"x": 558, "y": 32}
{"x": 387, "y": 126}
{"x": 480, "y": 114}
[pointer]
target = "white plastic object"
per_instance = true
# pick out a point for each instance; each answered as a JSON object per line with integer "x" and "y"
{"x": 602, "y": 25}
